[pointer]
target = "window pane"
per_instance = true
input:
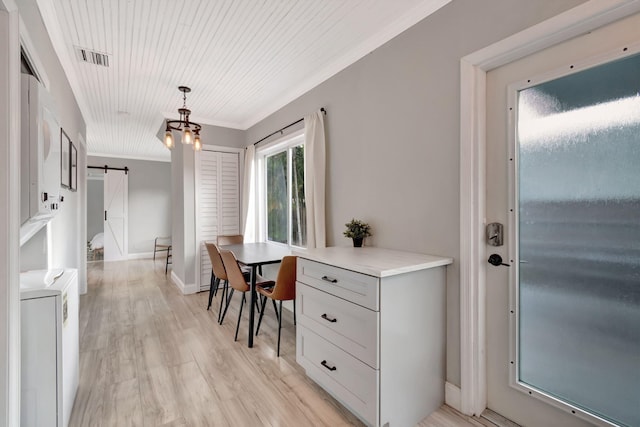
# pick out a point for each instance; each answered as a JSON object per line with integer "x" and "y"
{"x": 298, "y": 205}
{"x": 579, "y": 266}
{"x": 277, "y": 197}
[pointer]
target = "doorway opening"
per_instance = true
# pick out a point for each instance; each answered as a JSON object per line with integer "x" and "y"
{"x": 95, "y": 215}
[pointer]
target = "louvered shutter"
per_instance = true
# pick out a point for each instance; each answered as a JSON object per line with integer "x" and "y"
{"x": 218, "y": 203}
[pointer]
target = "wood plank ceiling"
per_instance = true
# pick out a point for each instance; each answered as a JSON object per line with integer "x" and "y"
{"x": 243, "y": 59}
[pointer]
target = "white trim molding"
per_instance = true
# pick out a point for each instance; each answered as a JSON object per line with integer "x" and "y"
{"x": 473, "y": 70}
{"x": 191, "y": 288}
{"x": 452, "y": 396}
{"x": 9, "y": 214}
{"x": 140, "y": 255}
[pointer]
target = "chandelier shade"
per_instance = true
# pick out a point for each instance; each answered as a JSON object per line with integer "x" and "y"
{"x": 190, "y": 130}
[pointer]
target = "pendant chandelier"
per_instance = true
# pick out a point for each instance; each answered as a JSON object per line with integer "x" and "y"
{"x": 190, "y": 130}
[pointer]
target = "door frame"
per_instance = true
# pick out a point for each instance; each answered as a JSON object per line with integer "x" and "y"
{"x": 10, "y": 215}
{"x": 473, "y": 71}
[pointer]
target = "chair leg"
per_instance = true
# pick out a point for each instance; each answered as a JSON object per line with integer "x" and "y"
{"x": 235, "y": 338}
{"x": 216, "y": 282}
{"x": 223, "y": 300}
{"x": 166, "y": 264}
{"x": 226, "y": 306}
{"x": 212, "y": 286}
{"x": 294, "y": 312}
{"x": 275, "y": 308}
{"x": 279, "y": 325}
{"x": 264, "y": 303}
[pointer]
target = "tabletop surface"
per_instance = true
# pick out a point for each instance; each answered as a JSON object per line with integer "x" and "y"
{"x": 258, "y": 253}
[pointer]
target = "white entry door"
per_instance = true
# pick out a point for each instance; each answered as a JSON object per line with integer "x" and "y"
{"x": 563, "y": 314}
{"x": 116, "y": 208}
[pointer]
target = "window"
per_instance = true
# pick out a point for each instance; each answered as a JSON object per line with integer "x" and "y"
{"x": 284, "y": 218}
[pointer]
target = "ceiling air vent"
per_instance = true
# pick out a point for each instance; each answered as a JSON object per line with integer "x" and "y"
{"x": 92, "y": 57}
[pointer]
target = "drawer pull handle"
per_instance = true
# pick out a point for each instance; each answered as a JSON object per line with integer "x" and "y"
{"x": 329, "y": 319}
{"x": 331, "y": 368}
{"x": 329, "y": 279}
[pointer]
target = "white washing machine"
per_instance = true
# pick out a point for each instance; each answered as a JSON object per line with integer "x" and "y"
{"x": 50, "y": 346}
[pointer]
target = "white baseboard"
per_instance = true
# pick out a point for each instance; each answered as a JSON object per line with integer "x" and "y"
{"x": 141, "y": 255}
{"x": 452, "y": 396}
{"x": 185, "y": 289}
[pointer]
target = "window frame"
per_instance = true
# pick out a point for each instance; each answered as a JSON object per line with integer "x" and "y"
{"x": 283, "y": 144}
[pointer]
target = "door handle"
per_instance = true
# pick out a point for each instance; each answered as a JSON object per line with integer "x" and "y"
{"x": 331, "y": 368}
{"x": 495, "y": 259}
{"x": 329, "y": 319}
{"x": 105, "y": 215}
{"x": 329, "y": 279}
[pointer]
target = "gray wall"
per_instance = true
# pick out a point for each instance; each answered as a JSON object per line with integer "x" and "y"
{"x": 95, "y": 207}
{"x": 150, "y": 207}
{"x": 66, "y": 234}
{"x": 183, "y": 197}
{"x": 393, "y": 134}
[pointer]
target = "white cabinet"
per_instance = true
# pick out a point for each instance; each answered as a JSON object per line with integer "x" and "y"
{"x": 371, "y": 330}
{"x": 49, "y": 309}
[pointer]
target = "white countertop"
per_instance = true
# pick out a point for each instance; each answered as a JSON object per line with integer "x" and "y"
{"x": 376, "y": 262}
{"x": 45, "y": 283}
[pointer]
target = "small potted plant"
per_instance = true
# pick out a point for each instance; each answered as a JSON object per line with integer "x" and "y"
{"x": 357, "y": 230}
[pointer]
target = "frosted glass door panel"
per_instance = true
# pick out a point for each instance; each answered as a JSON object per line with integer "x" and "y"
{"x": 578, "y": 181}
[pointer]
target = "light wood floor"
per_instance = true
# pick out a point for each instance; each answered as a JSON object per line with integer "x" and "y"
{"x": 150, "y": 356}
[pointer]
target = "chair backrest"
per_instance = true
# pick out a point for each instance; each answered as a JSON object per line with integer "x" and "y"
{"x": 285, "y": 288}
{"x": 235, "y": 239}
{"x": 162, "y": 241}
{"x": 234, "y": 274}
{"x": 216, "y": 261}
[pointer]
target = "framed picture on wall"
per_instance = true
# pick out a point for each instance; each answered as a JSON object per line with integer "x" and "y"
{"x": 65, "y": 160}
{"x": 74, "y": 168}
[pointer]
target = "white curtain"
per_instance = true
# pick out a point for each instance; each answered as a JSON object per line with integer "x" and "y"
{"x": 314, "y": 166}
{"x": 249, "y": 195}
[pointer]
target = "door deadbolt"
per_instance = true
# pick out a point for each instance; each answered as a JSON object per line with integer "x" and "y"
{"x": 495, "y": 234}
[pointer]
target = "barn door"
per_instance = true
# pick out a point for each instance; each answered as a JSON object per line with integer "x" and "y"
{"x": 116, "y": 208}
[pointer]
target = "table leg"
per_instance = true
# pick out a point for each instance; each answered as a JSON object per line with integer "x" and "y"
{"x": 252, "y": 305}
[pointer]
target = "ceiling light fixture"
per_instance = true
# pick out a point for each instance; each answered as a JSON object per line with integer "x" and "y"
{"x": 190, "y": 130}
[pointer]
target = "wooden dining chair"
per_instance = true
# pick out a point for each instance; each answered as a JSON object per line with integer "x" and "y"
{"x": 283, "y": 290}
{"x": 235, "y": 239}
{"x": 161, "y": 244}
{"x": 237, "y": 282}
{"x": 219, "y": 275}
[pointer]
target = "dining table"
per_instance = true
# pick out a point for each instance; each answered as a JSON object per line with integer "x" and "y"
{"x": 255, "y": 255}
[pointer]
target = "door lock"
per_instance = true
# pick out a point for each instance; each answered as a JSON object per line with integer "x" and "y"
{"x": 495, "y": 259}
{"x": 495, "y": 234}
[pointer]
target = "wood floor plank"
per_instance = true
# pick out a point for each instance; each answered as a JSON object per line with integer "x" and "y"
{"x": 159, "y": 398}
{"x": 150, "y": 356}
{"x": 122, "y": 404}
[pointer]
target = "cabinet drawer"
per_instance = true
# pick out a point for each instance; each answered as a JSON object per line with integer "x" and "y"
{"x": 352, "y": 382}
{"x": 355, "y": 287}
{"x": 349, "y": 326}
